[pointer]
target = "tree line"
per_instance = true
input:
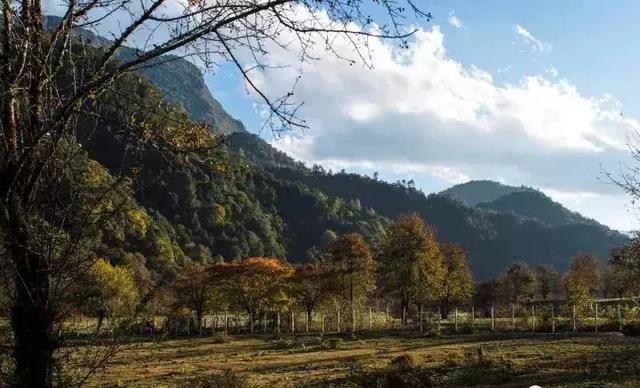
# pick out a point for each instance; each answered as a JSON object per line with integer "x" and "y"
{"x": 406, "y": 269}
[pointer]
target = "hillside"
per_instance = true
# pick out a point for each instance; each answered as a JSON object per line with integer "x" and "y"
{"x": 535, "y": 204}
{"x": 493, "y": 238}
{"x": 474, "y": 192}
{"x": 261, "y": 202}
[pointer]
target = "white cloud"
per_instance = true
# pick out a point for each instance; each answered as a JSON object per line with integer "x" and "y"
{"x": 535, "y": 44}
{"x": 454, "y": 20}
{"x": 424, "y": 113}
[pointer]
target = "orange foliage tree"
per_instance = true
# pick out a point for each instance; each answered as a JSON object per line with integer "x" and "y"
{"x": 256, "y": 284}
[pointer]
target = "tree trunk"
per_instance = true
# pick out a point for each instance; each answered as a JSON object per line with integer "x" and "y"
{"x": 33, "y": 347}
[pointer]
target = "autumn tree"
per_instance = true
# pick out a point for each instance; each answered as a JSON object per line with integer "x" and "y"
{"x": 518, "y": 283}
{"x": 52, "y": 79}
{"x": 547, "y": 281}
{"x": 352, "y": 270}
{"x": 256, "y": 284}
{"x": 413, "y": 270}
{"x": 310, "y": 286}
{"x": 108, "y": 292}
{"x": 619, "y": 282}
{"x": 198, "y": 288}
{"x": 583, "y": 280}
{"x": 458, "y": 286}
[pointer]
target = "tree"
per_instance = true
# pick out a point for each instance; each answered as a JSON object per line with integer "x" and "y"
{"x": 620, "y": 282}
{"x": 547, "y": 281}
{"x": 197, "y": 288}
{"x": 458, "y": 286}
{"x": 352, "y": 270}
{"x": 310, "y": 286}
{"x": 256, "y": 284}
{"x": 518, "y": 282}
{"x": 412, "y": 262}
{"x": 52, "y": 80}
{"x": 583, "y": 280}
{"x": 623, "y": 270}
{"x": 109, "y": 292}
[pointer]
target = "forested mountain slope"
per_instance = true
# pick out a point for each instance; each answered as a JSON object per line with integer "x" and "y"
{"x": 254, "y": 200}
{"x": 493, "y": 238}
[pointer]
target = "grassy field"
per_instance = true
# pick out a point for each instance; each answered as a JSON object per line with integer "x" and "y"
{"x": 518, "y": 360}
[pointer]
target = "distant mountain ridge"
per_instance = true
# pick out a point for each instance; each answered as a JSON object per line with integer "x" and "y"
{"x": 475, "y": 192}
{"x": 522, "y": 201}
{"x": 519, "y": 223}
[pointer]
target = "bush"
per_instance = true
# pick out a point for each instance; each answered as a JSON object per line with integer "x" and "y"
{"x": 335, "y": 343}
{"x": 432, "y": 326}
{"x": 220, "y": 338}
{"x": 226, "y": 379}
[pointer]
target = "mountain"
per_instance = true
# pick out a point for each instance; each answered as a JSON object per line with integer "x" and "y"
{"x": 478, "y": 191}
{"x": 253, "y": 200}
{"x": 532, "y": 228}
{"x": 536, "y": 205}
{"x": 180, "y": 81}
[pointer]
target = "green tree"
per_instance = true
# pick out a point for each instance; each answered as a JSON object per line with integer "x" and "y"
{"x": 518, "y": 283}
{"x": 109, "y": 292}
{"x": 547, "y": 281}
{"x": 352, "y": 270}
{"x": 583, "y": 280}
{"x": 458, "y": 286}
{"x": 413, "y": 270}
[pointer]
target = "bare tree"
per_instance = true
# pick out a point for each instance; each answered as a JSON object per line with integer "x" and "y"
{"x": 50, "y": 80}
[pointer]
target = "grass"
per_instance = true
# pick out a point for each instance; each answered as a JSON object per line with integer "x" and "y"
{"x": 607, "y": 359}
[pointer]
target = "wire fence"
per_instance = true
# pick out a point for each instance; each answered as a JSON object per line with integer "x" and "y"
{"x": 533, "y": 317}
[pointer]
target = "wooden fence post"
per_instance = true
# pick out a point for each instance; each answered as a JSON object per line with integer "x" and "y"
{"x": 293, "y": 322}
{"x": 493, "y": 319}
{"x": 533, "y": 318}
{"x": 370, "y": 320}
{"x": 619, "y": 311}
{"x": 264, "y": 322}
{"x": 306, "y": 322}
{"x": 322, "y": 323}
{"x": 339, "y": 322}
{"x": 278, "y": 322}
{"x": 575, "y": 327}
{"x": 404, "y": 316}
{"x": 353, "y": 320}
{"x": 455, "y": 318}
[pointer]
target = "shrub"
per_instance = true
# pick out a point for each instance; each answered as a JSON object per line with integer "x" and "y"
{"x": 335, "y": 343}
{"x": 432, "y": 326}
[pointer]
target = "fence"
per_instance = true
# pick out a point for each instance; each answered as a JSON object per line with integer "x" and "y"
{"x": 538, "y": 316}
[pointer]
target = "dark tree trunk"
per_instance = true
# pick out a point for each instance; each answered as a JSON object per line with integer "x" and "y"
{"x": 33, "y": 347}
{"x": 32, "y": 321}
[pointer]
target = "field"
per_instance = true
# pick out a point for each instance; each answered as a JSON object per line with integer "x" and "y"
{"x": 549, "y": 360}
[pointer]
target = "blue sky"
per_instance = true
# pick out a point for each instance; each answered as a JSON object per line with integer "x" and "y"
{"x": 530, "y": 57}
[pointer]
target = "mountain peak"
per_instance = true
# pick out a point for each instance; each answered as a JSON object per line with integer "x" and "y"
{"x": 475, "y": 192}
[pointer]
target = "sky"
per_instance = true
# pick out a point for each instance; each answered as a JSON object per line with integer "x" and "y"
{"x": 542, "y": 94}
